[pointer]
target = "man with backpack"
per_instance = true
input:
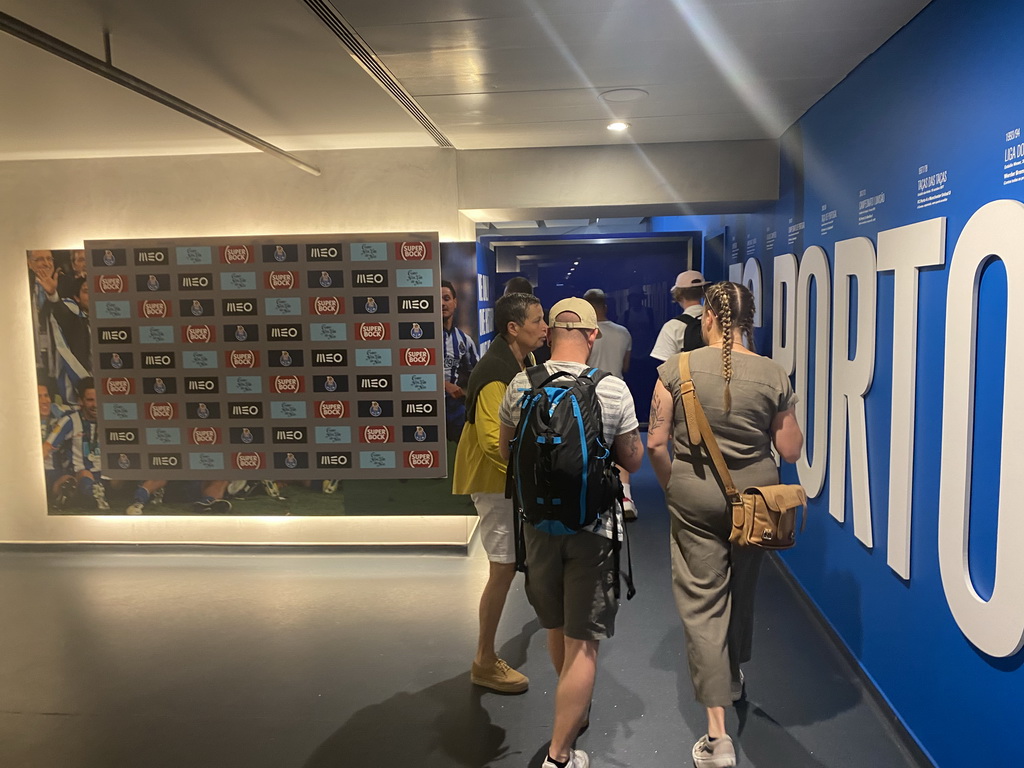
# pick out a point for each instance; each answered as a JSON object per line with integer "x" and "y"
{"x": 682, "y": 332}
{"x": 566, "y": 421}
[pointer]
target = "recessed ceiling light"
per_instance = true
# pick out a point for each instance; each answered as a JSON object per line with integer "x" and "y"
{"x": 618, "y": 126}
{"x": 624, "y": 94}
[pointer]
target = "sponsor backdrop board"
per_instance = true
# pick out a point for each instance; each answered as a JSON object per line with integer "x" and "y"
{"x": 293, "y": 357}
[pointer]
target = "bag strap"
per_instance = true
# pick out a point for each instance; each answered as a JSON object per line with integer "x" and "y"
{"x": 700, "y": 430}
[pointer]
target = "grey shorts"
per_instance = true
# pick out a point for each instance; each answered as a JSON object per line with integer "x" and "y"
{"x": 570, "y": 583}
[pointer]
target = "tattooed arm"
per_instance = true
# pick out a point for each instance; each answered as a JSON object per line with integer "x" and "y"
{"x": 659, "y": 434}
{"x": 629, "y": 451}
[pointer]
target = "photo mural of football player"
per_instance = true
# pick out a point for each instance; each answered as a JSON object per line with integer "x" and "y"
{"x": 60, "y": 318}
{"x": 460, "y": 356}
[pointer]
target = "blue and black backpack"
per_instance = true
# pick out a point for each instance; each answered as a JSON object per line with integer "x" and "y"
{"x": 561, "y": 474}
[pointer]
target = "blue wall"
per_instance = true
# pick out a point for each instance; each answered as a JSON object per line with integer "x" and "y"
{"x": 944, "y": 93}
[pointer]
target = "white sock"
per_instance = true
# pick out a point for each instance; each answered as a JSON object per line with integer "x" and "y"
{"x": 625, "y": 491}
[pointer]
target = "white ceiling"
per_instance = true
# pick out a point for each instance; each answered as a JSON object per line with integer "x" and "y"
{"x": 488, "y": 73}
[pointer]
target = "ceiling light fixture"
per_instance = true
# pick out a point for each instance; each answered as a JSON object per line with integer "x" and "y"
{"x": 618, "y": 125}
{"x": 624, "y": 94}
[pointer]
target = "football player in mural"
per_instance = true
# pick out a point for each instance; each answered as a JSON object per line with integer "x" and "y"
{"x": 460, "y": 356}
{"x": 78, "y": 428}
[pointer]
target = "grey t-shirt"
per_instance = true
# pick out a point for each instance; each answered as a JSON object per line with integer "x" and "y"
{"x": 759, "y": 387}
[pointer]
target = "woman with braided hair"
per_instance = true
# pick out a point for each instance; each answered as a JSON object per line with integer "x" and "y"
{"x": 749, "y": 403}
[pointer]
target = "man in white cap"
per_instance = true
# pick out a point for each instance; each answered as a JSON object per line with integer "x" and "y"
{"x": 682, "y": 333}
{"x": 572, "y": 577}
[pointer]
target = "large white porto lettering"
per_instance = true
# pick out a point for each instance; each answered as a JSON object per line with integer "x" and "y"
{"x": 905, "y": 251}
{"x": 996, "y": 626}
{"x": 784, "y": 303}
{"x": 851, "y": 379}
{"x": 811, "y": 469}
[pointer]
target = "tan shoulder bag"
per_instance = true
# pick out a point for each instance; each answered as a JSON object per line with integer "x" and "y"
{"x": 762, "y": 516}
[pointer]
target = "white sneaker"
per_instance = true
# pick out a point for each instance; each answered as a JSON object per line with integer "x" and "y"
{"x": 719, "y": 753}
{"x": 135, "y": 508}
{"x": 577, "y": 759}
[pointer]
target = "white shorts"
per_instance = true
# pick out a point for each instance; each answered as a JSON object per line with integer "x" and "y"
{"x": 496, "y": 521}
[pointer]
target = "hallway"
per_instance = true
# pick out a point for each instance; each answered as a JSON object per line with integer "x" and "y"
{"x": 112, "y": 659}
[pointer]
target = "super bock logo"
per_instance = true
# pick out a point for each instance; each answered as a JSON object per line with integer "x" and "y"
{"x": 286, "y": 384}
{"x": 155, "y": 308}
{"x": 161, "y": 410}
{"x": 413, "y": 251}
{"x": 204, "y": 435}
{"x": 110, "y": 284}
{"x": 197, "y": 334}
{"x": 281, "y": 280}
{"x": 420, "y": 459}
{"x": 417, "y": 356}
{"x": 372, "y": 332}
{"x": 248, "y": 461}
{"x": 236, "y": 254}
{"x": 327, "y": 305}
{"x": 331, "y": 409}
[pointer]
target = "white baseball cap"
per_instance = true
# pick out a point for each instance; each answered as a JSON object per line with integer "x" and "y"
{"x": 691, "y": 278}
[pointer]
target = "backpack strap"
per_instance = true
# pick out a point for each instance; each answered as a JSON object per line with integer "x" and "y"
{"x": 538, "y": 375}
{"x": 595, "y": 375}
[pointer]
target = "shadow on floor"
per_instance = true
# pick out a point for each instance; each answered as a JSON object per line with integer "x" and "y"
{"x": 443, "y": 726}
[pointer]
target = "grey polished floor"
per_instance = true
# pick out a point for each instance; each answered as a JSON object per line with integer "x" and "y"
{"x": 278, "y": 660}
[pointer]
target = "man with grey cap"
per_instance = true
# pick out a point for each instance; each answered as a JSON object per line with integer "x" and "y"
{"x": 682, "y": 333}
{"x": 571, "y": 578}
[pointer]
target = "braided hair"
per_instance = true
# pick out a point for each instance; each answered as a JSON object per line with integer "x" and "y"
{"x": 733, "y": 305}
